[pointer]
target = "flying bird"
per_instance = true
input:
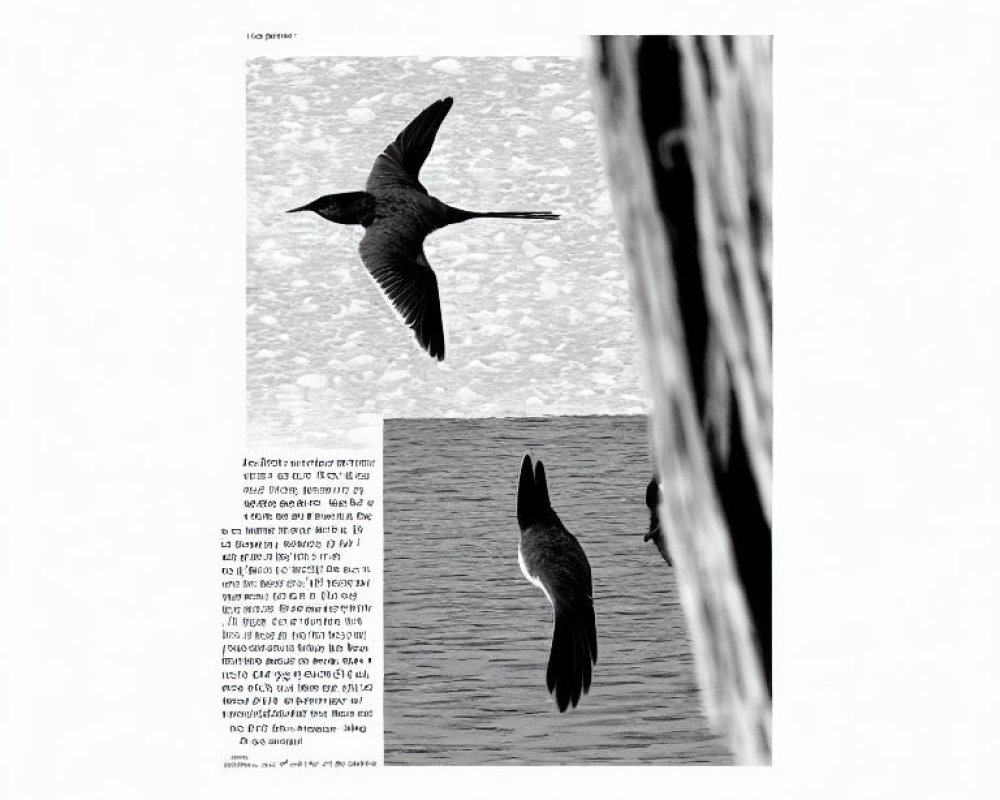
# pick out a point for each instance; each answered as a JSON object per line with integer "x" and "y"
{"x": 397, "y": 214}
{"x": 552, "y": 559}
{"x": 655, "y": 529}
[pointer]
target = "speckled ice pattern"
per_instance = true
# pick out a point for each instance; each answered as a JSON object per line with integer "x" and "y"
{"x": 537, "y": 314}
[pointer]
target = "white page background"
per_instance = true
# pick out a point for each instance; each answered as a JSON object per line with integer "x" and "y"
{"x": 121, "y": 285}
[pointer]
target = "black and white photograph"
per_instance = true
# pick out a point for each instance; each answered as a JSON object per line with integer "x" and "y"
{"x": 522, "y": 316}
{"x": 507, "y": 400}
{"x": 528, "y": 622}
{"x": 414, "y": 314}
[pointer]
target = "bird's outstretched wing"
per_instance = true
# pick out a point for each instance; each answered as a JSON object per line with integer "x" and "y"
{"x": 552, "y": 558}
{"x": 400, "y": 268}
{"x": 399, "y": 164}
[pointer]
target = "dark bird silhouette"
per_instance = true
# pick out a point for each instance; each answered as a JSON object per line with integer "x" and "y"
{"x": 398, "y": 214}
{"x": 655, "y": 531}
{"x": 552, "y": 559}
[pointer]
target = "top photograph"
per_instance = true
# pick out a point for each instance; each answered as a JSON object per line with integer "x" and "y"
{"x": 453, "y": 251}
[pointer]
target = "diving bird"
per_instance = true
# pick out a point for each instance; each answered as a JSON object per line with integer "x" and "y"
{"x": 655, "y": 530}
{"x": 397, "y": 214}
{"x": 552, "y": 559}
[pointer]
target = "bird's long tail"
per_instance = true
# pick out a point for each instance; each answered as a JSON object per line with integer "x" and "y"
{"x": 514, "y": 214}
{"x": 574, "y": 652}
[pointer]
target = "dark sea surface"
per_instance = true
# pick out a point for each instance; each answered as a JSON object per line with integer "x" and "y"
{"x": 467, "y": 637}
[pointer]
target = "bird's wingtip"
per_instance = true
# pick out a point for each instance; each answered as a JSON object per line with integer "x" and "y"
{"x": 525, "y": 493}
{"x": 541, "y": 485}
{"x": 435, "y": 349}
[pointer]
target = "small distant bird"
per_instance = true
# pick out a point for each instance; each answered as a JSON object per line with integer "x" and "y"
{"x": 655, "y": 531}
{"x": 398, "y": 214}
{"x": 552, "y": 559}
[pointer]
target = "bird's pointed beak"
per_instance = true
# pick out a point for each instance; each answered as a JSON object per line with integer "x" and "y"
{"x": 300, "y": 208}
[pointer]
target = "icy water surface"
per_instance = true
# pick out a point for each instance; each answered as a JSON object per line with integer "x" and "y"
{"x": 537, "y": 315}
{"x": 467, "y": 637}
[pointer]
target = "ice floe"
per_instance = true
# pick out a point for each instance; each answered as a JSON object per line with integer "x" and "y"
{"x": 449, "y": 66}
{"x": 287, "y": 391}
{"x": 504, "y": 357}
{"x": 465, "y": 395}
{"x": 530, "y": 249}
{"x": 548, "y": 289}
{"x": 313, "y": 381}
{"x": 342, "y": 69}
{"x": 362, "y": 360}
{"x": 360, "y": 114}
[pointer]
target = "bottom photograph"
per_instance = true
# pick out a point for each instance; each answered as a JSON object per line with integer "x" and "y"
{"x": 531, "y": 614}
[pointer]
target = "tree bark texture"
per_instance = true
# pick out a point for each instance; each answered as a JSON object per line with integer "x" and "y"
{"x": 686, "y": 127}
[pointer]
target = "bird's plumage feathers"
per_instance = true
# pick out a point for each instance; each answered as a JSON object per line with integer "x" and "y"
{"x": 552, "y": 558}
{"x": 399, "y": 164}
{"x": 398, "y": 214}
{"x": 652, "y": 494}
{"x": 656, "y": 533}
{"x": 402, "y": 272}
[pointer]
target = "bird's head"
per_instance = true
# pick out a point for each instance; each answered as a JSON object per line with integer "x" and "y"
{"x": 347, "y": 208}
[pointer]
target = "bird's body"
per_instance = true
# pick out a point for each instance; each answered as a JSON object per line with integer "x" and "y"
{"x": 655, "y": 529}
{"x": 398, "y": 214}
{"x": 552, "y": 559}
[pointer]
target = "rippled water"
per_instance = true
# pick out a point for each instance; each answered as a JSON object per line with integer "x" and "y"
{"x": 467, "y": 637}
{"x": 537, "y": 315}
